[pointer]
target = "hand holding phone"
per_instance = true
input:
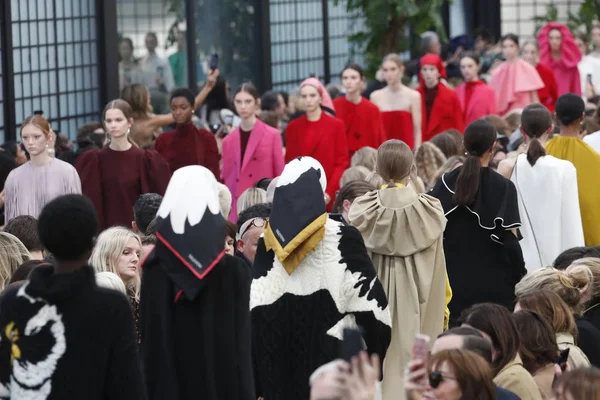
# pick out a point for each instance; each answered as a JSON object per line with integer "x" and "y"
{"x": 352, "y": 344}
{"x": 214, "y": 62}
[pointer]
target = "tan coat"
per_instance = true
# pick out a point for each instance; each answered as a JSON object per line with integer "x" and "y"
{"x": 544, "y": 378}
{"x": 577, "y": 358}
{"x": 517, "y": 379}
{"x": 403, "y": 233}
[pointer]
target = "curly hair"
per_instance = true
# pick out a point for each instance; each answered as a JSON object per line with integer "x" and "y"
{"x": 428, "y": 158}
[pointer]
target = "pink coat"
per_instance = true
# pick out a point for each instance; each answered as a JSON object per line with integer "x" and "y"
{"x": 263, "y": 159}
{"x": 483, "y": 102}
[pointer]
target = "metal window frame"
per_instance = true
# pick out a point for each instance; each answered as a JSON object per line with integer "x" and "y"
{"x": 10, "y": 128}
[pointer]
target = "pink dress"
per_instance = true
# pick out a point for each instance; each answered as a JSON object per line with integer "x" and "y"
{"x": 513, "y": 83}
{"x": 566, "y": 70}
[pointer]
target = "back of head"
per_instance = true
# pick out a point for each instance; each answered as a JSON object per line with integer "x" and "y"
{"x": 256, "y": 211}
{"x": 110, "y": 280}
{"x": 251, "y": 197}
{"x": 354, "y": 174}
{"x": 496, "y": 322}
{"x": 472, "y": 340}
{"x": 374, "y": 179}
{"x": 472, "y": 373}
{"x": 569, "y": 109}
{"x": 225, "y": 200}
{"x": 446, "y": 143}
{"x": 580, "y": 270}
{"x": 137, "y": 98}
{"x": 568, "y": 287}
{"x": 428, "y": 159}
{"x": 271, "y": 189}
{"x": 24, "y": 227}
{"x": 538, "y": 341}
{"x": 394, "y": 161}
{"x": 269, "y": 101}
{"x": 536, "y": 120}
{"x": 567, "y": 257}
{"x": 350, "y": 191}
{"x": 12, "y": 254}
{"x": 365, "y": 157}
{"x": 67, "y": 226}
{"x": 263, "y": 183}
{"x": 479, "y": 139}
{"x": 145, "y": 209}
{"x": 551, "y": 308}
{"x": 580, "y": 383}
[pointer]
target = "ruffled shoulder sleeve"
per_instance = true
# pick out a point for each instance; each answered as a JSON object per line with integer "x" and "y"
{"x": 155, "y": 173}
{"x": 90, "y": 172}
{"x": 495, "y": 205}
{"x": 380, "y": 215}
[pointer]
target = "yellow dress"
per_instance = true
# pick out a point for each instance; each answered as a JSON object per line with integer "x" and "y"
{"x": 587, "y": 162}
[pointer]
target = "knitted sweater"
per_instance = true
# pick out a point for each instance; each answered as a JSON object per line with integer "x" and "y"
{"x": 63, "y": 337}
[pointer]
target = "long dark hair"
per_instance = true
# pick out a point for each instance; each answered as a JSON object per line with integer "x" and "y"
{"x": 479, "y": 138}
{"x": 535, "y": 121}
{"x": 496, "y": 322}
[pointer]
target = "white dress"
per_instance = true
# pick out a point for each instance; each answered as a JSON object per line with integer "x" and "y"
{"x": 593, "y": 139}
{"x": 549, "y": 209}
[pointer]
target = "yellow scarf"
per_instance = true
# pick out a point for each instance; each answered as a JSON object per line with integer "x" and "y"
{"x": 396, "y": 184}
{"x": 298, "y": 248}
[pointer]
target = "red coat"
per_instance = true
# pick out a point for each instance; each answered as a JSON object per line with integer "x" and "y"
{"x": 549, "y": 93}
{"x": 363, "y": 122}
{"x": 481, "y": 103}
{"x": 445, "y": 114}
{"x": 325, "y": 141}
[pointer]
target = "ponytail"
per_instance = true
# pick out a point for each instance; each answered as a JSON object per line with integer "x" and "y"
{"x": 467, "y": 183}
{"x": 535, "y": 151}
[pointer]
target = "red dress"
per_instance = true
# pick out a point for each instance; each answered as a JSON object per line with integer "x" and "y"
{"x": 549, "y": 93}
{"x": 363, "y": 122}
{"x": 399, "y": 125}
{"x": 477, "y": 100}
{"x": 323, "y": 140}
{"x": 188, "y": 145}
{"x": 445, "y": 114}
{"x": 113, "y": 180}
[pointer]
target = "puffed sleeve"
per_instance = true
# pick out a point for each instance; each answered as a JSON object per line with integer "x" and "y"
{"x": 89, "y": 170}
{"x": 155, "y": 173}
{"x": 10, "y": 197}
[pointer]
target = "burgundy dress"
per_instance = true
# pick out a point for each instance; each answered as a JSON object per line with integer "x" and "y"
{"x": 188, "y": 145}
{"x": 113, "y": 180}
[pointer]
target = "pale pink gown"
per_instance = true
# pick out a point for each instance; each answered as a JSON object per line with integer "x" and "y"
{"x": 513, "y": 83}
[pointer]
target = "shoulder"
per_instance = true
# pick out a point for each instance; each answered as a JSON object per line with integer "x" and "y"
{"x": 63, "y": 166}
{"x": 505, "y": 168}
{"x": 90, "y": 158}
{"x": 369, "y": 105}
{"x": 296, "y": 123}
{"x": 333, "y": 121}
{"x": 339, "y": 102}
{"x": 377, "y": 94}
{"x": 164, "y": 137}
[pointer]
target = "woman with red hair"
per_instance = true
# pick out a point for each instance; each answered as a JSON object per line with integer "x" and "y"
{"x": 559, "y": 52}
{"x": 440, "y": 104}
{"x": 319, "y": 135}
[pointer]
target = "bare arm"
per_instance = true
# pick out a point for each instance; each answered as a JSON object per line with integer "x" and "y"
{"x": 415, "y": 109}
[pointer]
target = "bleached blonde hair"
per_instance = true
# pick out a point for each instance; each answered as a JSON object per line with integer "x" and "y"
{"x": 251, "y": 197}
{"x": 358, "y": 173}
{"x": 109, "y": 246}
{"x": 224, "y": 200}
{"x": 13, "y": 253}
{"x": 365, "y": 157}
{"x": 112, "y": 281}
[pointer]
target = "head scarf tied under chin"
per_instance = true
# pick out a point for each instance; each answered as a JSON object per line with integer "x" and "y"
{"x": 569, "y": 51}
{"x": 436, "y": 61}
{"x": 190, "y": 229}
{"x": 325, "y": 98}
{"x": 297, "y": 222}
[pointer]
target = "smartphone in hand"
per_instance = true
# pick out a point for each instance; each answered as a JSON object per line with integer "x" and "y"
{"x": 421, "y": 348}
{"x": 214, "y": 62}
{"x": 352, "y": 344}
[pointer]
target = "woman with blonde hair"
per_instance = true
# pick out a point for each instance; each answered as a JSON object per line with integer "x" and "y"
{"x": 553, "y": 309}
{"x": 592, "y": 307}
{"x": 251, "y": 197}
{"x": 574, "y": 287}
{"x": 428, "y": 159}
{"x": 354, "y": 174}
{"x": 365, "y": 157}
{"x": 403, "y": 233}
{"x": 118, "y": 250}
{"x": 115, "y": 176}
{"x": 12, "y": 254}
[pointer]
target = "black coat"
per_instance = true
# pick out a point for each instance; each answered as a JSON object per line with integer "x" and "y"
{"x": 198, "y": 349}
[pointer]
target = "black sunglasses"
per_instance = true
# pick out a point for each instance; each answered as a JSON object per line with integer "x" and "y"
{"x": 436, "y": 378}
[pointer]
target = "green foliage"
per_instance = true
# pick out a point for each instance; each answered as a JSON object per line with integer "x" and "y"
{"x": 389, "y": 25}
{"x": 176, "y": 8}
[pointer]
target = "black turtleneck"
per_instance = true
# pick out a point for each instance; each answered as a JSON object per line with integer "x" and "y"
{"x": 84, "y": 334}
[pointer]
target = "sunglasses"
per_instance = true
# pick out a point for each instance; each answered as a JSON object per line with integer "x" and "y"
{"x": 436, "y": 378}
{"x": 256, "y": 222}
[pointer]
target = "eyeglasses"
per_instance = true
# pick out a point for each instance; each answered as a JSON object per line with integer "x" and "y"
{"x": 257, "y": 222}
{"x": 436, "y": 378}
